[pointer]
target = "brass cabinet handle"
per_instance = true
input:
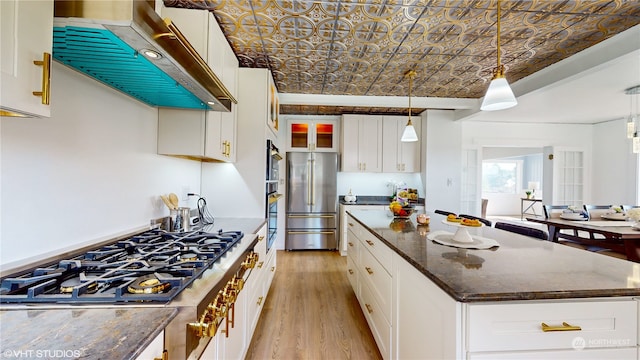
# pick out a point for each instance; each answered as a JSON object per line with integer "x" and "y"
{"x": 273, "y": 268}
{"x": 563, "y": 327}
{"x": 350, "y": 243}
{"x": 351, "y": 271}
{"x": 228, "y": 148}
{"x": 260, "y": 238}
{"x": 260, "y": 300}
{"x": 369, "y": 308}
{"x": 350, "y": 224}
{"x": 369, "y": 270}
{"x": 260, "y": 264}
{"x": 46, "y": 77}
{"x": 369, "y": 242}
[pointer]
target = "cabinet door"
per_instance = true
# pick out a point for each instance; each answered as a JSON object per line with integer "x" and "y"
{"x": 312, "y": 135}
{"x": 399, "y": 156}
{"x": 370, "y": 143}
{"x": 26, "y": 34}
{"x": 325, "y": 137}
{"x": 350, "y": 142}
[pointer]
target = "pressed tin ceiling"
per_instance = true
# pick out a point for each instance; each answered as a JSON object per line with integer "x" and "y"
{"x": 364, "y": 47}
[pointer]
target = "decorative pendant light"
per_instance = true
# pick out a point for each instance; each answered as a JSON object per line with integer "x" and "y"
{"x": 499, "y": 95}
{"x": 409, "y": 133}
{"x": 633, "y": 121}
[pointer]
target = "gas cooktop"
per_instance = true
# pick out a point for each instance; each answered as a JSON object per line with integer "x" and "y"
{"x": 153, "y": 266}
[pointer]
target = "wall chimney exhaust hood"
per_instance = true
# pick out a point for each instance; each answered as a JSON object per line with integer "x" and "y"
{"x": 126, "y": 45}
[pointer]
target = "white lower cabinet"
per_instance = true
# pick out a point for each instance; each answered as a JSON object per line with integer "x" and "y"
{"x": 426, "y": 323}
{"x": 154, "y": 349}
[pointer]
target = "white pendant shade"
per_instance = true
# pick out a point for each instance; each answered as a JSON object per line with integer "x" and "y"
{"x": 636, "y": 145}
{"x": 499, "y": 96}
{"x": 409, "y": 134}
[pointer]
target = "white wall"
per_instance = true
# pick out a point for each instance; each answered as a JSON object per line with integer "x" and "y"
{"x": 615, "y": 166}
{"x": 85, "y": 174}
{"x": 443, "y": 150}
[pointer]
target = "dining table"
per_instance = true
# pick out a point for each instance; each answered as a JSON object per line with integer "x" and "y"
{"x": 620, "y": 236}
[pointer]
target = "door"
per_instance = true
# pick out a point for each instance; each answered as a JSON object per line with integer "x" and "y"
{"x": 324, "y": 167}
{"x": 298, "y": 187}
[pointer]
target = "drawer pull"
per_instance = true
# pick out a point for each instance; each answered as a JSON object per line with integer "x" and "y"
{"x": 564, "y": 327}
{"x": 260, "y": 264}
{"x": 350, "y": 243}
{"x": 259, "y": 300}
{"x": 369, "y": 270}
{"x": 273, "y": 268}
{"x": 351, "y": 271}
{"x": 350, "y": 224}
{"x": 369, "y": 242}
{"x": 260, "y": 238}
{"x": 369, "y": 308}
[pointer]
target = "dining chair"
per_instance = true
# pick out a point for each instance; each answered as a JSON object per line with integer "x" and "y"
{"x": 596, "y": 211}
{"x": 553, "y": 211}
{"x": 522, "y": 230}
{"x": 482, "y": 220}
{"x": 443, "y": 212}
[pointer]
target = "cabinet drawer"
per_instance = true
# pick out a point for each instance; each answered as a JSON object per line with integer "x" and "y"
{"x": 380, "y": 328}
{"x": 379, "y": 250}
{"x": 379, "y": 281}
{"x": 352, "y": 246}
{"x": 352, "y": 275}
{"x": 517, "y": 326}
{"x": 261, "y": 245}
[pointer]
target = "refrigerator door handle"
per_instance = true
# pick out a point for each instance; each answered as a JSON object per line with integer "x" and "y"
{"x": 310, "y": 232}
{"x": 311, "y": 216}
{"x": 308, "y": 182}
{"x": 313, "y": 181}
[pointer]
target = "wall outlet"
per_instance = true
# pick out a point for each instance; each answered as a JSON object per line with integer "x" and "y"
{"x": 184, "y": 191}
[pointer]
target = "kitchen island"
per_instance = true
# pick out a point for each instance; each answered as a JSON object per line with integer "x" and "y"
{"x": 427, "y": 300}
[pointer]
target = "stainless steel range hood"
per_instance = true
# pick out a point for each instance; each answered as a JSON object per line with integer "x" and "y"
{"x": 115, "y": 42}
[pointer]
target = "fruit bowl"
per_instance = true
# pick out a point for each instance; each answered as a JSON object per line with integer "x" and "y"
{"x": 401, "y": 211}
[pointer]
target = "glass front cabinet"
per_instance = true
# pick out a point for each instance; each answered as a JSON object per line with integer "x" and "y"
{"x": 312, "y": 135}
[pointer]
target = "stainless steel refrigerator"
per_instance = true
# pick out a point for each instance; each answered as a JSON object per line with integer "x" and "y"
{"x": 312, "y": 201}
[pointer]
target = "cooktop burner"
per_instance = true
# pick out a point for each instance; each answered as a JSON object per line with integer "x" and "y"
{"x": 153, "y": 266}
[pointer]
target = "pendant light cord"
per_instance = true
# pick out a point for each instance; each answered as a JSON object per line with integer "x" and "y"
{"x": 498, "y": 36}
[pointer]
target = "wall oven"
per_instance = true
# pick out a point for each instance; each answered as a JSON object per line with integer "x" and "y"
{"x": 272, "y": 196}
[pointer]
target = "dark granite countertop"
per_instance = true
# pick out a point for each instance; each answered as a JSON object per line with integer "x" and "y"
{"x": 372, "y": 200}
{"x": 521, "y": 268}
{"x": 81, "y": 332}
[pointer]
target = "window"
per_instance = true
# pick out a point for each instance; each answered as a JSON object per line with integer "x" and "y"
{"x": 501, "y": 176}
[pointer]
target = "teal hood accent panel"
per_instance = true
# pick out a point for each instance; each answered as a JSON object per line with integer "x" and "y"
{"x": 101, "y": 55}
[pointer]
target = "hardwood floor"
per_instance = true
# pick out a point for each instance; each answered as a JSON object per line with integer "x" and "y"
{"x": 311, "y": 312}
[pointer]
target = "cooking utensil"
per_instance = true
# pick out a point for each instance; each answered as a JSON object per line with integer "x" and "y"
{"x": 173, "y": 198}
{"x": 167, "y": 202}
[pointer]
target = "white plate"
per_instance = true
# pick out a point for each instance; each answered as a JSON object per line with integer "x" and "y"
{"x": 615, "y": 216}
{"x": 446, "y": 238}
{"x": 460, "y": 224}
{"x": 573, "y": 216}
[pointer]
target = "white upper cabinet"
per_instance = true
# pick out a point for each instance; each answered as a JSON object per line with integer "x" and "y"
{"x": 312, "y": 135}
{"x": 199, "y": 135}
{"x": 362, "y": 143}
{"x": 26, "y": 34}
{"x": 398, "y": 156}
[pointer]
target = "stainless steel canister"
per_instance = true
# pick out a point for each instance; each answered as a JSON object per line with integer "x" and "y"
{"x": 180, "y": 219}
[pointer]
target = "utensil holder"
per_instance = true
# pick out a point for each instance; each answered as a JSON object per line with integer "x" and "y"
{"x": 179, "y": 219}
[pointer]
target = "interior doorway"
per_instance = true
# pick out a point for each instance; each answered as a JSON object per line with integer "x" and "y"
{"x": 506, "y": 175}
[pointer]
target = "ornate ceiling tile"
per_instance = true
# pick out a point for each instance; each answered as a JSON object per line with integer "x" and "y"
{"x": 364, "y": 47}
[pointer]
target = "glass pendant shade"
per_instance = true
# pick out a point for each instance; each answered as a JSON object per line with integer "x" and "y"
{"x": 409, "y": 134}
{"x": 636, "y": 145}
{"x": 499, "y": 95}
{"x": 631, "y": 127}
